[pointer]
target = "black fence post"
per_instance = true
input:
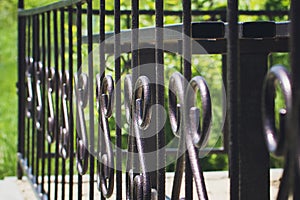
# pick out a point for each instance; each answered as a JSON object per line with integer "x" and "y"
{"x": 232, "y": 96}
{"x": 21, "y": 86}
{"x": 253, "y": 155}
{"x": 293, "y": 126}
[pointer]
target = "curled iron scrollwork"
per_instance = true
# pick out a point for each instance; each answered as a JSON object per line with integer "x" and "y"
{"x": 138, "y": 114}
{"x": 185, "y": 122}
{"x": 29, "y": 100}
{"x": 64, "y": 134}
{"x": 176, "y": 102}
{"x": 51, "y": 114}
{"x": 279, "y": 140}
{"x": 39, "y": 104}
{"x": 199, "y": 130}
{"x": 81, "y": 92}
{"x": 274, "y": 138}
{"x": 105, "y": 165}
{"x": 34, "y": 71}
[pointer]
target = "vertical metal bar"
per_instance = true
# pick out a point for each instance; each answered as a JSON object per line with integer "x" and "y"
{"x": 49, "y": 69}
{"x": 225, "y": 128}
{"x": 32, "y": 122}
{"x": 63, "y": 62}
{"x": 29, "y": 21}
{"x": 134, "y": 64}
{"x": 29, "y": 45}
{"x": 91, "y": 91}
{"x": 21, "y": 86}
{"x": 28, "y": 142}
{"x": 43, "y": 77}
{"x": 187, "y": 75}
{"x": 79, "y": 62}
{"x": 135, "y": 67}
{"x": 159, "y": 60}
{"x": 71, "y": 119}
{"x": 135, "y": 38}
{"x": 36, "y": 57}
{"x": 21, "y": 4}
{"x": 295, "y": 63}
{"x": 37, "y": 73}
{"x": 56, "y": 129}
{"x": 102, "y": 73}
{"x": 102, "y": 38}
{"x": 232, "y": 91}
{"x": 117, "y": 52}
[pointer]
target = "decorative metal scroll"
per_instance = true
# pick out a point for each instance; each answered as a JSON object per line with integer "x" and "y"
{"x": 138, "y": 116}
{"x": 29, "y": 100}
{"x": 51, "y": 115}
{"x": 64, "y": 134}
{"x": 279, "y": 141}
{"x": 105, "y": 170}
{"x": 81, "y": 85}
{"x": 38, "y": 69}
{"x": 39, "y": 105}
{"x": 185, "y": 123}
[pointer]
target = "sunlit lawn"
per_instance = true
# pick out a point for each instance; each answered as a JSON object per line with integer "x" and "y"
{"x": 8, "y": 99}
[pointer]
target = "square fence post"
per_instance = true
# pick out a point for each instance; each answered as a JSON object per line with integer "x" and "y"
{"x": 253, "y": 155}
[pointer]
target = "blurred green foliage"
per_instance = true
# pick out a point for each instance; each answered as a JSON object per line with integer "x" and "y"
{"x": 8, "y": 99}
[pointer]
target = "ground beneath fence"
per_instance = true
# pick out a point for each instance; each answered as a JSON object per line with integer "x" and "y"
{"x": 217, "y": 183}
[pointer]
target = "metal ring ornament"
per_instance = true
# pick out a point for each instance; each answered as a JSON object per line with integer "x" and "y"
{"x": 199, "y": 130}
{"x": 176, "y": 99}
{"x": 81, "y": 140}
{"x": 105, "y": 165}
{"x": 275, "y": 139}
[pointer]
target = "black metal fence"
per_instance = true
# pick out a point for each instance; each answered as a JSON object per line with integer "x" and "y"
{"x": 77, "y": 110}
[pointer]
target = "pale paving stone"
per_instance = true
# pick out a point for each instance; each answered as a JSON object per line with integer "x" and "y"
{"x": 217, "y": 183}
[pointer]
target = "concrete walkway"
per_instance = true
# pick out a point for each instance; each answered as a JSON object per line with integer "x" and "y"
{"x": 13, "y": 189}
{"x": 217, "y": 186}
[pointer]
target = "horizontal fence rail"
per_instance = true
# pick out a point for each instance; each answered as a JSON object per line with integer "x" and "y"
{"x": 109, "y": 105}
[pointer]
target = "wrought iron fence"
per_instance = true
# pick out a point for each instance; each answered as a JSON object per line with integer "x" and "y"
{"x": 75, "y": 106}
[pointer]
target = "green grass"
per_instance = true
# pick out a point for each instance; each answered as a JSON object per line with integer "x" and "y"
{"x": 8, "y": 96}
{"x": 8, "y": 79}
